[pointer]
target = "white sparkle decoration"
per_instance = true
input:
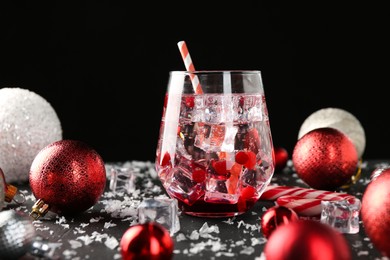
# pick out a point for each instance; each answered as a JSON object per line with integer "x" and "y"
{"x": 28, "y": 123}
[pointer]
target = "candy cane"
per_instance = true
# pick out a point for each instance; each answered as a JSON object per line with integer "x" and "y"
{"x": 272, "y": 192}
{"x": 302, "y": 206}
{"x": 304, "y": 201}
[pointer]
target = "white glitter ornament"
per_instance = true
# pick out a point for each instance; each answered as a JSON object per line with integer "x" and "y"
{"x": 27, "y": 124}
{"x": 339, "y": 119}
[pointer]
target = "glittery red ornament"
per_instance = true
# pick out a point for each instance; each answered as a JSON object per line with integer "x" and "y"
{"x": 281, "y": 158}
{"x": 275, "y": 217}
{"x": 145, "y": 242}
{"x": 307, "y": 240}
{"x": 325, "y": 158}
{"x": 67, "y": 177}
{"x": 375, "y": 212}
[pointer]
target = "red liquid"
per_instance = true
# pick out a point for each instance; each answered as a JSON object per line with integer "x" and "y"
{"x": 215, "y": 210}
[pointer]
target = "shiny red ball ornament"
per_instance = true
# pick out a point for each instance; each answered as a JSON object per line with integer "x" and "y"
{"x": 275, "y": 217}
{"x": 281, "y": 158}
{"x": 67, "y": 177}
{"x": 325, "y": 158}
{"x": 375, "y": 212}
{"x": 307, "y": 240}
{"x": 147, "y": 241}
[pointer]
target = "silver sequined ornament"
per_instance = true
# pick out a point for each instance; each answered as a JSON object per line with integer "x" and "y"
{"x": 27, "y": 124}
{"x": 16, "y": 234}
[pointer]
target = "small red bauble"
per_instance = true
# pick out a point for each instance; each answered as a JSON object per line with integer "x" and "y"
{"x": 68, "y": 176}
{"x": 325, "y": 158}
{"x": 375, "y": 212}
{"x": 281, "y": 158}
{"x": 306, "y": 240}
{"x": 275, "y": 217}
{"x": 146, "y": 241}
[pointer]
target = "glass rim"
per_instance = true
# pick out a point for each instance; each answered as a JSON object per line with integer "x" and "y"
{"x": 186, "y": 72}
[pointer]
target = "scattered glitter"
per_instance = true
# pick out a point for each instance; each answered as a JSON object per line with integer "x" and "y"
{"x": 258, "y": 241}
{"x": 111, "y": 242}
{"x": 360, "y": 253}
{"x": 69, "y": 253}
{"x": 75, "y": 244}
{"x": 194, "y": 235}
{"x": 206, "y": 239}
{"x": 61, "y": 220}
{"x": 247, "y": 251}
{"x": 109, "y": 224}
{"x": 180, "y": 237}
{"x": 94, "y": 220}
{"x": 79, "y": 230}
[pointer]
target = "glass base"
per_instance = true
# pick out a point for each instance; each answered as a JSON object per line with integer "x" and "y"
{"x": 216, "y": 210}
{"x": 213, "y": 215}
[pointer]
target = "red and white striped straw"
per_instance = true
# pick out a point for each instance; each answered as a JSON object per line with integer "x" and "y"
{"x": 304, "y": 201}
{"x": 189, "y": 66}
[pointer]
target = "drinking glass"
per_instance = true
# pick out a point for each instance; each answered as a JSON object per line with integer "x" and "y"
{"x": 215, "y": 152}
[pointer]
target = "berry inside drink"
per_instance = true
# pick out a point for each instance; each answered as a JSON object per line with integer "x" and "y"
{"x": 215, "y": 152}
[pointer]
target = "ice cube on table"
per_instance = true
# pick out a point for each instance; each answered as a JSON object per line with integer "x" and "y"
{"x": 122, "y": 179}
{"x": 342, "y": 214}
{"x": 161, "y": 210}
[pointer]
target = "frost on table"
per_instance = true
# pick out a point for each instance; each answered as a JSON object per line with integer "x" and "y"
{"x": 342, "y": 214}
{"x": 161, "y": 210}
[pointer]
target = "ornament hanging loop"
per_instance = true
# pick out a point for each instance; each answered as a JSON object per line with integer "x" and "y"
{"x": 39, "y": 209}
{"x": 355, "y": 177}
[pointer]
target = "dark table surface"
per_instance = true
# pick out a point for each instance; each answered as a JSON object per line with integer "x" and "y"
{"x": 96, "y": 233}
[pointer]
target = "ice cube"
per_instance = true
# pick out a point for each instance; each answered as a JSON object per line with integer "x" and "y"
{"x": 122, "y": 179}
{"x": 215, "y": 138}
{"x": 180, "y": 184}
{"x": 218, "y": 192}
{"x": 342, "y": 214}
{"x": 161, "y": 210}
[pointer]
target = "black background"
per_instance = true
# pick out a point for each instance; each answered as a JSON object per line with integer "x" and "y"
{"x": 103, "y": 65}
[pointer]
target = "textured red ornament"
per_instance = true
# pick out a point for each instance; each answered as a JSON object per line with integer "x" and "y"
{"x": 145, "y": 242}
{"x": 275, "y": 217}
{"x": 375, "y": 212}
{"x": 281, "y": 158}
{"x": 325, "y": 158}
{"x": 68, "y": 175}
{"x": 306, "y": 240}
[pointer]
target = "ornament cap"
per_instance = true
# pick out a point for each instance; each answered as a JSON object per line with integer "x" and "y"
{"x": 10, "y": 192}
{"x": 39, "y": 209}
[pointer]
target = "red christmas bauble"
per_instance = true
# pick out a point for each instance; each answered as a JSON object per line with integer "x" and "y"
{"x": 281, "y": 158}
{"x": 68, "y": 175}
{"x": 307, "y": 240}
{"x": 146, "y": 241}
{"x": 375, "y": 212}
{"x": 275, "y": 217}
{"x": 325, "y": 158}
